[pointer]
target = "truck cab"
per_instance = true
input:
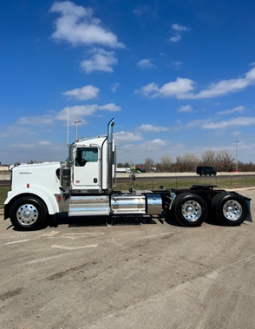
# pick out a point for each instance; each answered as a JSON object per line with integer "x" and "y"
{"x": 90, "y": 167}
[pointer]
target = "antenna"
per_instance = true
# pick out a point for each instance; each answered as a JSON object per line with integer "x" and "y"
{"x": 77, "y": 128}
{"x": 67, "y": 127}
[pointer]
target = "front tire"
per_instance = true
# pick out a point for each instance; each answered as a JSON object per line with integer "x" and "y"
{"x": 28, "y": 213}
{"x": 230, "y": 208}
{"x": 190, "y": 209}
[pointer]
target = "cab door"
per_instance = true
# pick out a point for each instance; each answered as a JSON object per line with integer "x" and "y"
{"x": 87, "y": 168}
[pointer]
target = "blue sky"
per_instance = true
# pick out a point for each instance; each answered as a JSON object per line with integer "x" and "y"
{"x": 178, "y": 76}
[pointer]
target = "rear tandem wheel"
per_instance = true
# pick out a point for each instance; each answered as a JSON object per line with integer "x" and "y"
{"x": 190, "y": 209}
{"x": 230, "y": 208}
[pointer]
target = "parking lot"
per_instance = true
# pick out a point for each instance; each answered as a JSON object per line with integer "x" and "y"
{"x": 136, "y": 273}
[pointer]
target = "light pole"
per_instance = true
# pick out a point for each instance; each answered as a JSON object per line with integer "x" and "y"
{"x": 77, "y": 128}
{"x": 236, "y": 155}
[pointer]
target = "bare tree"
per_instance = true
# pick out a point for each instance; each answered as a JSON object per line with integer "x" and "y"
{"x": 246, "y": 166}
{"x": 208, "y": 158}
{"x": 187, "y": 162}
{"x": 148, "y": 164}
{"x": 130, "y": 163}
{"x": 224, "y": 161}
{"x": 159, "y": 167}
{"x": 166, "y": 162}
{"x": 120, "y": 165}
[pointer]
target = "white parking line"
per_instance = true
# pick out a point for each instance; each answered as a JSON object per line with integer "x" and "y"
{"x": 50, "y": 234}
{"x": 20, "y": 241}
{"x": 44, "y": 259}
{"x": 74, "y": 236}
{"x": 75, "y": 248}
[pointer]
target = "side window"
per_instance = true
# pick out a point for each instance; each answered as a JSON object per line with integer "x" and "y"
{"x": 86, "y": 154}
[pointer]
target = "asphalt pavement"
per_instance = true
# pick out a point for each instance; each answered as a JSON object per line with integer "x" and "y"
{"x": 137, "y": 273}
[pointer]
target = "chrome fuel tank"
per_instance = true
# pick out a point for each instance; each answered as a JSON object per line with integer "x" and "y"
{"x": 128, "y": 204}
{"x": 150, "y": 204}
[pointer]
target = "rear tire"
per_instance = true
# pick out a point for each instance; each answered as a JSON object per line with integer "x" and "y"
{"x": 190, "y": 209}
{"x": 229, "y": 208}
{"x": 28, "y": 213}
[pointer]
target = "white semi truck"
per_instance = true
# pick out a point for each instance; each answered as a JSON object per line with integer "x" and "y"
{"x": 84, "y": 186}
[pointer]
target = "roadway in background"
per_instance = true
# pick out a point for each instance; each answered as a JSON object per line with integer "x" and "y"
{"x": 5, "y": 176}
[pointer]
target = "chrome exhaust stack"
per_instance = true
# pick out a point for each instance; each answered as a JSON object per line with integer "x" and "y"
{"x": 65, "y": 171}
{"x": 110, "y": 153}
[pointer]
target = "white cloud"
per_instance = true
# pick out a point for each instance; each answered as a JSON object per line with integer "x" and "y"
{"x": 178, "y": 88}
{"x": 239, "y": 109}
{"x": 45, "y": 119}
{"x": 22, "y": 145}
{"x": 195, "y": 123}
{"x": 191, "y": 124}
{"x": 82, "y": 111}
{"x": 176, "y": 64}
{"x": 150, "y": 90}
{"x": 110, "y": 107}
{"x": 44, "y": 143}
{"x": 182, "y": 88}
{"x": 145, "y": 64}
{"x": 175, "y": 38}
{"x": 148, "y": 127}
{"x": 77, "y": 25}
{"x": 18, "y": 129}
{"x": 236, "y": 122}
{"x": 84, "y": 93}
{"x": 124, "y": 136}
{"x": 185, "y": 108}
{"x": 76, "y": 112}
{"x": 100, "y": 60}
{"x": 227, "y": 86}
{"x": 154, "y": 144}
{"x": 141, "y": 10}
{"x": 179, "y": 27}
{"x": 115, "y": 86}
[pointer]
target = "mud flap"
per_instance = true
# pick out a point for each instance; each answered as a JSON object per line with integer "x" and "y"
{"x": 249, "y": 216}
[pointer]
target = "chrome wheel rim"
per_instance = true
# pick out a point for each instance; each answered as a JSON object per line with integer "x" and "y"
{"x": 191, "y": 210}
{"x": 232, "y": 210}
{"x": 27, "y": 214}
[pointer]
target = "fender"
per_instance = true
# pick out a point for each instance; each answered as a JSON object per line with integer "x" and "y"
{"x": 37, "y": 191}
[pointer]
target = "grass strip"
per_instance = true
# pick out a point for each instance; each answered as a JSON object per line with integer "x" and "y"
{"x": 231, "y": 182}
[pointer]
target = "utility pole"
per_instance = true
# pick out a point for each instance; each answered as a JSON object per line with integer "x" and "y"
{"x": 77, "y": 128}
{"x": 236, "y": 155}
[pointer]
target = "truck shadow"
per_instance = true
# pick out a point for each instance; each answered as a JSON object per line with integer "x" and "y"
{"x": 124, "y": 220}
{"x": 76, "y": 221}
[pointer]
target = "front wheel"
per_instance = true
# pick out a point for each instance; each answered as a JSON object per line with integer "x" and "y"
{"x": 230, "y": 208}
{"x": 190, "y": 209}
{"x": 28, "y": 213}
